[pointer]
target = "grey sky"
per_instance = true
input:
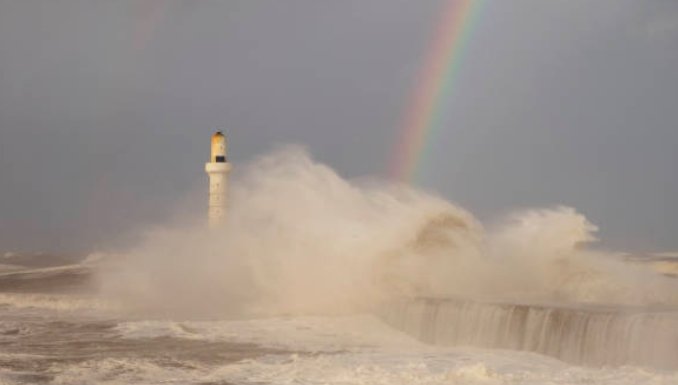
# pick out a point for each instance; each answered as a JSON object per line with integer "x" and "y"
{"x": 106, "y": 107}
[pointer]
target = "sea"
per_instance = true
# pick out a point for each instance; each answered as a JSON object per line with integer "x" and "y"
{"x": 315, "y": 279}
{"x": 52, "y": 332}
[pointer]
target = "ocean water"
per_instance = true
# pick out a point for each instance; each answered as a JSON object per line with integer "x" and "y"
{"x": 314, "y": 279}
{"x": 67, "y": 338}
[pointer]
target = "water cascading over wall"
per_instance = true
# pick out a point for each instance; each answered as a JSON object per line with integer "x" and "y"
{"x": 580, "y": 335}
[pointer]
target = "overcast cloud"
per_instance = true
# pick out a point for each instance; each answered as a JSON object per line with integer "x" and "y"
{"x": 106, "y": 107}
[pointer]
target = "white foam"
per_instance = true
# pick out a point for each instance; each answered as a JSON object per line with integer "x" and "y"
{"x": 121, "y": 371}
{"x": 361, "y": 350}
{"x": 53, "y": 302}
{"x": 462, "y": 367}
{"x": 457, "y": 367}
{"x": 309, "y": 333}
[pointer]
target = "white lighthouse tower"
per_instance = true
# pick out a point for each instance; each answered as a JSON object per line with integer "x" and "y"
{"x": 217, "y": 169}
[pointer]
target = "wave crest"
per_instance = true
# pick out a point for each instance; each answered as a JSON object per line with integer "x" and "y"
{"x": 299, "y": 238}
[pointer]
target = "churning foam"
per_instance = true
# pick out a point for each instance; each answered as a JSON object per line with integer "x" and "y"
{"x": 362, "y": 350}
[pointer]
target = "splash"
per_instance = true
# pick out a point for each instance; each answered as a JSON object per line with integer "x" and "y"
{"x": 300, "y": 239}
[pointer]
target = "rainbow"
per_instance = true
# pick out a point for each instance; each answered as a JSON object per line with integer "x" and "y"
{"x": 434, "y": 84}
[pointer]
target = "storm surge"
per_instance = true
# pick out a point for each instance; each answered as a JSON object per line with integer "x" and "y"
{"x": 299, "y": 239}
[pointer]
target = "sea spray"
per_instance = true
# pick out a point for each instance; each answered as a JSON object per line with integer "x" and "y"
{"x": 301, "y": 239}
{"x": 298, "y": 238}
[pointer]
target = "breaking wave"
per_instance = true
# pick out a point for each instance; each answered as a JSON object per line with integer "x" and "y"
{"x": 299, "y": 238}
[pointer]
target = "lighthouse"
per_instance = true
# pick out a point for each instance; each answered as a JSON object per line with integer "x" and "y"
{"x": 217, "y": 169}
